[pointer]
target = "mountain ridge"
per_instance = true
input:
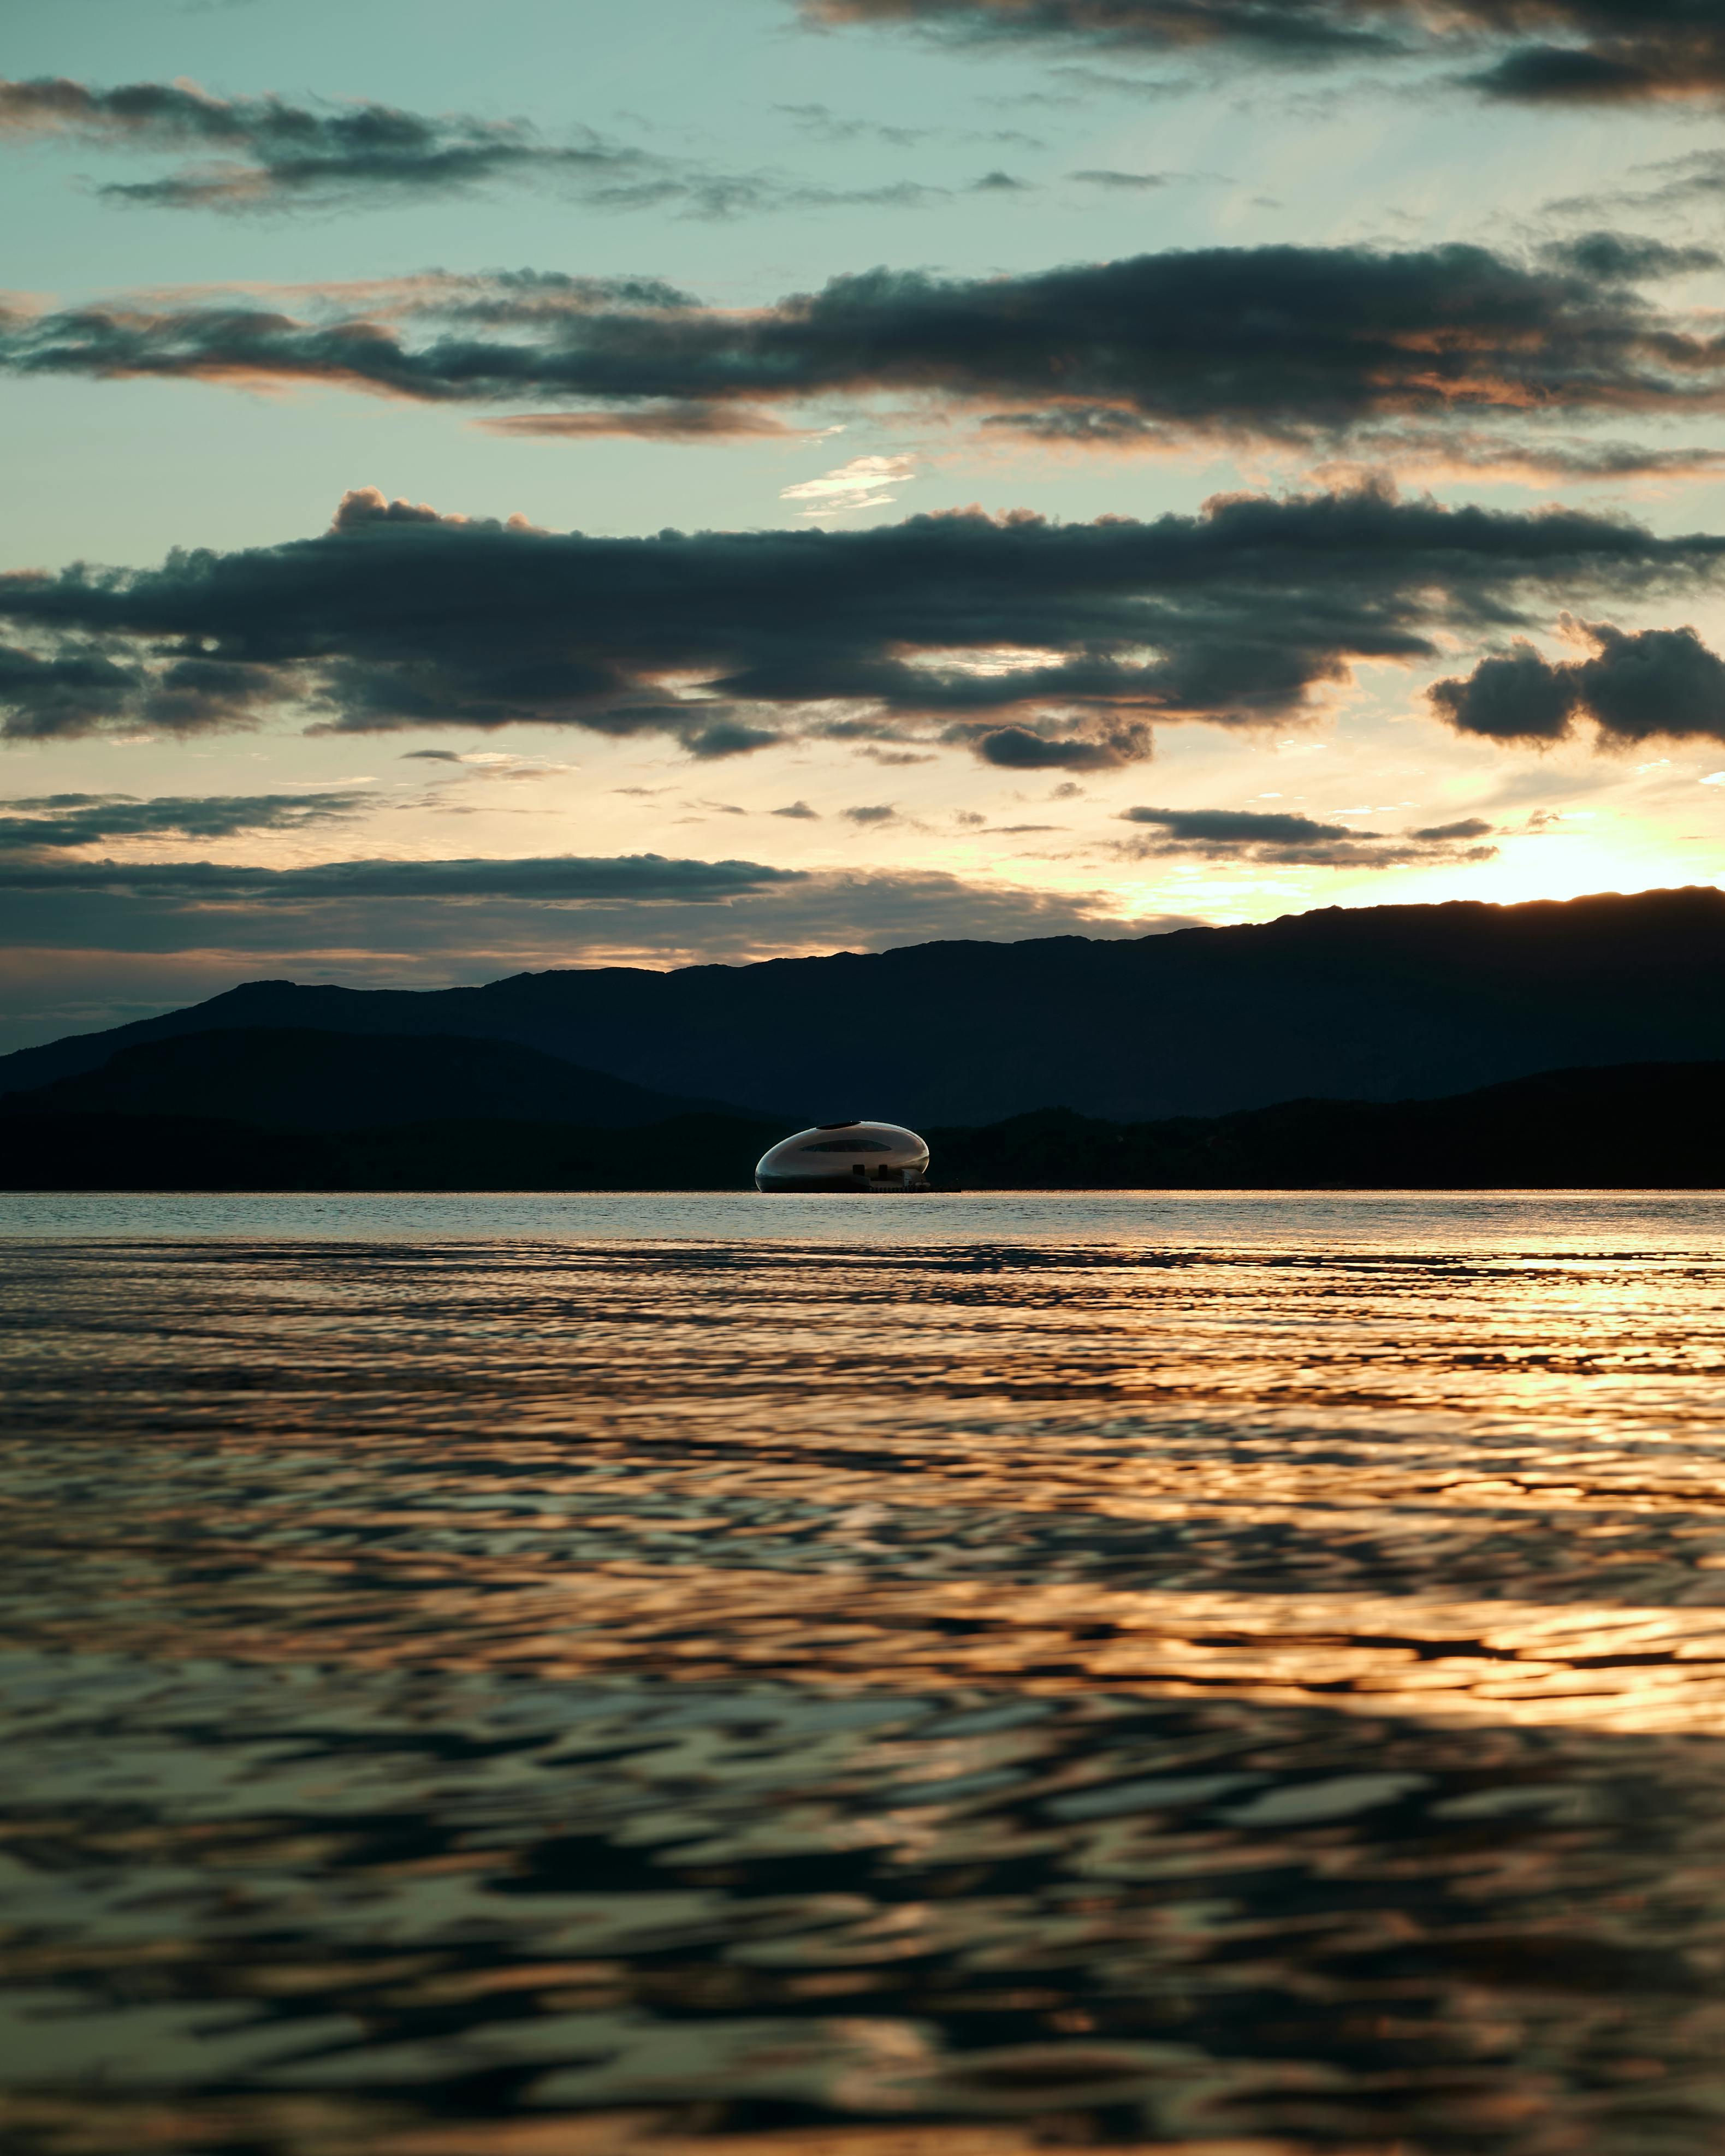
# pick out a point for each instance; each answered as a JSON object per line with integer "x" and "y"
{"x": 301, "y": 1079}
{"x": 1373, "y": 1002}
{"x": 1637, "y": 1125}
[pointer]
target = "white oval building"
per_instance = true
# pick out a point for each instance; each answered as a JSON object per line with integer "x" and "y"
{"x": 846, "y": 1157}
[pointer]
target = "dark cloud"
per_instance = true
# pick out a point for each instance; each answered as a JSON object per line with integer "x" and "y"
{"x": 1636, "y": 52}
{"x": 55, "y": 820}
{"x": 80, "y": 689}
{"x": 800, "y": 810}
{"x": 661, "y": 422}
{"x": 1015, "y": 748}
{"x": 1286, "y": 841}
{"x": 1633, "y": 256}
{"x": 1038, "y": 645}
{"x": 266, "y": 153}
{"x": 1534, "y": 458}
{"x": 1301, "y": 344}
{"x": 1535, "y": 51}
{"x": 1469, "y": 827}
{"x": 75, "y": 691}
{"x": 729, "y": 737}
{"x": 1230, "y": 827}
{"x": 559, "y": 880}
{"x": 1516, "y": 697}
{"x": 879, "y": 811}
{"x": 1110, "y": 177}
{"x": 1133, "y": 182}
{"x": 1661, "y": 684}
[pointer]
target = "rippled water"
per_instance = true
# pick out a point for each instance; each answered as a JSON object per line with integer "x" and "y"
{"x": 907, "y": 1677}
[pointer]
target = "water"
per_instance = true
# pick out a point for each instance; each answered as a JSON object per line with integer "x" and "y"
{"x": 680, "y": 1675}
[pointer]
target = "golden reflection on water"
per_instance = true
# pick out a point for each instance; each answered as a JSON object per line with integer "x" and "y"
{"x": 634, "y": 1694}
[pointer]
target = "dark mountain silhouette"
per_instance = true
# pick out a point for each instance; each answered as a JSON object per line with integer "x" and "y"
{"x": 292, "y": 1078}
{"x": 199, "y": 1152}
{"x": 1632, "y": 1126}
{"x": 1644, "y": 1125}
{"x": 1385, "y": 1003}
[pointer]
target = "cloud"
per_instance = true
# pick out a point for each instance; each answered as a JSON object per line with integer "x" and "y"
{"x": 56, "y": 820}
{"x": 861, "y": 484}
{"x": 1469, "y": 827}
{"x": 489, "y": 764}
{"x": 723, "y": 737}
{"x": 1626, "y": 61}
{"x": 800, "y": 810}
{"x": 1681, "y": 184}
{"x": 1231, "y": 827}
{"x": 77, "y": 690}
{"x": 1661, "y": 684}
{"x": 1587, "y": 52}
{"x": 661, "y": 422}
{"x": 880, "y": 811}
{"x": 1291, "y": 344}
{"x": 1133, "y": 182}
{"x": 1015, "y": 748}
{"x": 560, "y": 879}
{"x": 1534, "y": 458}
{"x": 1037, "y": 645}
{"x": 826, "y": 126}
{"x": 1110, "y": 177}
{"x": 269, "y": 154}
{"x": 1286, "y": 840}
{"x": 1628, "y": 255}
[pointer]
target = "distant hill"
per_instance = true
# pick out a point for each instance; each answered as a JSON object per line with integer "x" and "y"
{"x": 1383, "y": 1004}
{"x": 190, "y": 1152}
{"x": 1641, "y": 1125}
{"x": 295, "y": 1078}
{"x": 1657, "y": 1126}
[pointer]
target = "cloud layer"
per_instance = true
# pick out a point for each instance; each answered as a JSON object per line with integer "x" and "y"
{"x": 1286, "y": 840}
{"x": 1577, "y": 51}
{"x": 639, "y": 879}
{"x": 1037, "y": 645}
{"x": 269, "y": 154}
{"x": 1298, "y": 344}
{"x": 45, "y": 823}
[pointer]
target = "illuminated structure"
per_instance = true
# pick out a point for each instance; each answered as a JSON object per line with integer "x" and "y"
{"x": 864, "y": 1156}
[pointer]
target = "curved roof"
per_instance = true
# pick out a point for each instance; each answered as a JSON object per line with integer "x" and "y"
{"x": 829, "y": 1155}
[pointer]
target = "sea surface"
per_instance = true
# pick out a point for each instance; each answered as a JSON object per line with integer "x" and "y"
{"x": 694, "y": 1676}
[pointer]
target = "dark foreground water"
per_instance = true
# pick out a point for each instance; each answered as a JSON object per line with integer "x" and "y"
{"x": 904, "y": 1677}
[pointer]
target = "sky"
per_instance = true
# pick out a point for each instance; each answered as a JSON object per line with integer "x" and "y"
{"x": 488, "y": 489}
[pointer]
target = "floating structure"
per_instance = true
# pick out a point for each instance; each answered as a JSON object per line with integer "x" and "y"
{"x": 855, "y": 1156}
